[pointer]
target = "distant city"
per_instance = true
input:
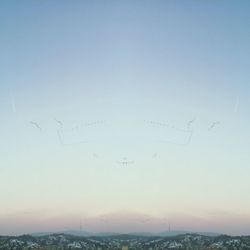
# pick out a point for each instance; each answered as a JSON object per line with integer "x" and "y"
{"x": 125, "y": 242}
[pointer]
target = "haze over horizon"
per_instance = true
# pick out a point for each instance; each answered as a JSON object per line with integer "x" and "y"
{"x": 127, "y": 115}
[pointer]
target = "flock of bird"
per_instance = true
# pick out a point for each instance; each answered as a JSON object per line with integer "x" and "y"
{"x": 124, "y": 161}
{"x": 189, "y": 124}
{"x": 61, "y": 126}
{"x": 88, "y": 124}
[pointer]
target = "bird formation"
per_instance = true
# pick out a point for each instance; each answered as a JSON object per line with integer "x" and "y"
{"x": 163, "y": 124}
{"x": 168, "y": 125}
{"x": 88, "y": 124}
{"x": 124, "y": 161}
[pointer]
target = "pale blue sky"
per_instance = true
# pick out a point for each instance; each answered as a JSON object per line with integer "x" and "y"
{"x": 125, "y": 78}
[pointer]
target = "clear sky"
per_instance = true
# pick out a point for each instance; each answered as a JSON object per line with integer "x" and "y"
{"x": 127, "y": 115}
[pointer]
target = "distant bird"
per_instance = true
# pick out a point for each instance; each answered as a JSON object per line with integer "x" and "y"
{"x": 155, "y": 123}
{"x": 189, "y": 124}
{"x": 213, "y": 125}
{"x": 36, "y": 125}
{"x": 93, "y": 123}
{"x": 125, "y": 161}
{"x": 59, "y": 123}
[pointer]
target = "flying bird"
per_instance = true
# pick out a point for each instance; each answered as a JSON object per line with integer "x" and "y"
{"x": 189, "y": 124}
{"x": 125, "y": 162}
{"x": 59, "y": 123}
{"x": 36, "y": 125}
{"x": 213, "y": 125}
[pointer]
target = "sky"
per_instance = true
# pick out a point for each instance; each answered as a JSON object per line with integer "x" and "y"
{"x": 125, "y": 116}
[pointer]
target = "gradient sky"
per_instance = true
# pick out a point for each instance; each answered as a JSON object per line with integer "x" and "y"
{"x": 163, "y": 85}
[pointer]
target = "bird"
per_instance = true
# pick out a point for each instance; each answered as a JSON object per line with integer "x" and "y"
{"x": 59, "y": 123}
{"x": 190, "y": 123}
{"x": 213, "y": 125}
{"x": 36, "y": 125}
{"x": 125, "y": 162}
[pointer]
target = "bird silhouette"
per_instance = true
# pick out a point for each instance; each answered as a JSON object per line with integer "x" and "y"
{"x": 213, "y": 125}
{"x": 189, "y": 124}
{"x": 35, "y": 124}
{"x": 59, "y": 123}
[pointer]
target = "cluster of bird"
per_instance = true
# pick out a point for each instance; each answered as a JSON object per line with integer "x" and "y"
{"x": 189, "y": 125}
{"x": 124, "y": 161}
{"x": 159, "y": 124}
{"x": 188, "y": 130}
{"x": 60, "y": 124}
{"x": 171, "y": 126}
{"x": 88, "y": 124}
{"x": 98, "y": 122}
